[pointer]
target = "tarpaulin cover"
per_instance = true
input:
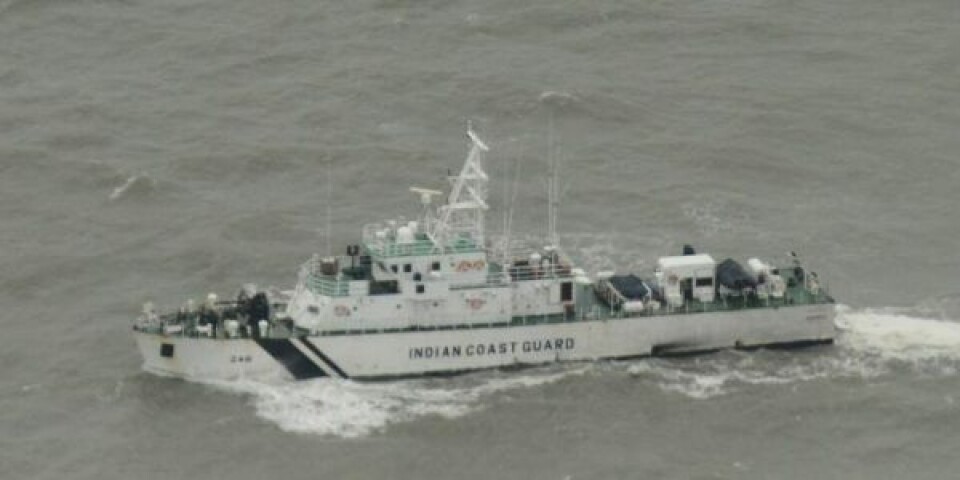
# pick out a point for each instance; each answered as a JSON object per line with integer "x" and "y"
{"x": 631, "y": 286}
{"x": 732, "y": 275}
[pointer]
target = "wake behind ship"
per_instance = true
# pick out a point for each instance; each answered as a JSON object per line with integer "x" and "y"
{"x": 434, "y": 295}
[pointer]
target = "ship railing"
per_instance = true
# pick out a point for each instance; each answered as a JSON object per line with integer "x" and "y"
{"x": 800, "y": 279}
{"x": 516, "y": 250}
{"x": 524, "y": 271}
{"x": 521, "y": 255}
{"x": 492, "y": 279}
{"x": 207, "y": 322}
{"x": 381, "y": 242}
{"x": 326, "y": 286}
{"x": 419, "y": 247}
{"x": 330, "y": 283}
{"x": 388, "y": 249}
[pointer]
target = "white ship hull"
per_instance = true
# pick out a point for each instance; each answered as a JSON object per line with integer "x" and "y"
{"x": 435, "y": 295}
{"x": 412, "y": 353}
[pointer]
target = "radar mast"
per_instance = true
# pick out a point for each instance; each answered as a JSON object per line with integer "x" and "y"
{"x": 463, "y": 214}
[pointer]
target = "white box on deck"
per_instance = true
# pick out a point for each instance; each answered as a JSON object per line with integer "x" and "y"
{"x": 700, "y": 269}
{"x": 687, "y": 266}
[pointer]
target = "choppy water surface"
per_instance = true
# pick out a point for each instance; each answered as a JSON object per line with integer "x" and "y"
{"x": 161, "y": 150}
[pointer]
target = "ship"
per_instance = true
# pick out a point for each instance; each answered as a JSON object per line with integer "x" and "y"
{"x": 434, "y": 296}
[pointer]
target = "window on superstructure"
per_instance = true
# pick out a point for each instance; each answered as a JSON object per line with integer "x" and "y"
{"x": 435, "y": 267}
{"x": 393, "y": 268}
{"x": 420, "y": 288}
{"x": 407, "y": 268}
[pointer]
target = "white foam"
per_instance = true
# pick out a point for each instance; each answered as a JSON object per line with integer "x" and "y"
{"x": 898, "y": 336}
{"x": 675, "y": 380}
{"x": 351, "y": 409}
{"x": 561, "y": 98}
{"x": 119, "y": 191}
{"x": 872, "y": 343}
{"x": 716, "y": 376}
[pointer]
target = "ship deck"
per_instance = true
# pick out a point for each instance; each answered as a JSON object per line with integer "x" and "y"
{"x": 595, "y": 309}
{"x": 599, "y": 311}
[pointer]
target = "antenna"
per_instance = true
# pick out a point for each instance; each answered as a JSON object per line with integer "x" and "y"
{"x": 327, "y": 227}
{"x": 553, "y": 100}
{"x": 508, "y": 221}
{"x": 504, "y": 240}
{"x": 553, "y": 187}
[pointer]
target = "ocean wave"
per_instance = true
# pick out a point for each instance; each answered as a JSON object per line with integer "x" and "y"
{"x": 600, "y": 107}
{"x": 715, "y": 376}
{"x": 871, "y": 343}
{"x": 135, "y": 185}
{"x": 922, "y": 344}
{"x": 348, "y": 409}
{"x": 558, "y": 98}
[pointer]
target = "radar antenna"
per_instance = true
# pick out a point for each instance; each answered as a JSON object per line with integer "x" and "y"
{"x": 426, "y": 198}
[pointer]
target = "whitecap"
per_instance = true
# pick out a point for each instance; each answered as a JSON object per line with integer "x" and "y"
{"x": 129, "y": 184}
{"x": 557, "y": 98}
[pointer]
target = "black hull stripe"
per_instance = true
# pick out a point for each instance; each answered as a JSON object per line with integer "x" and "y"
{"x": 298, "y": 364}
{"x": 316, "y": 351}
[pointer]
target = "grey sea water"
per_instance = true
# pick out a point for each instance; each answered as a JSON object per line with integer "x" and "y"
{"x": 160, "y": 150}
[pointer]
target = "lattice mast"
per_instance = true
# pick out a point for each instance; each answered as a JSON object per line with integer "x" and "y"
{"x": 463, "y": 215}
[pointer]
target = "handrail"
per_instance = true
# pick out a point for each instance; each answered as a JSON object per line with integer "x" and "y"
{"x": 390, "y": 249}
{"x": 496, "y": 279}
{"x": 331, "y": 287}
{"x": 206, "y": 322}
